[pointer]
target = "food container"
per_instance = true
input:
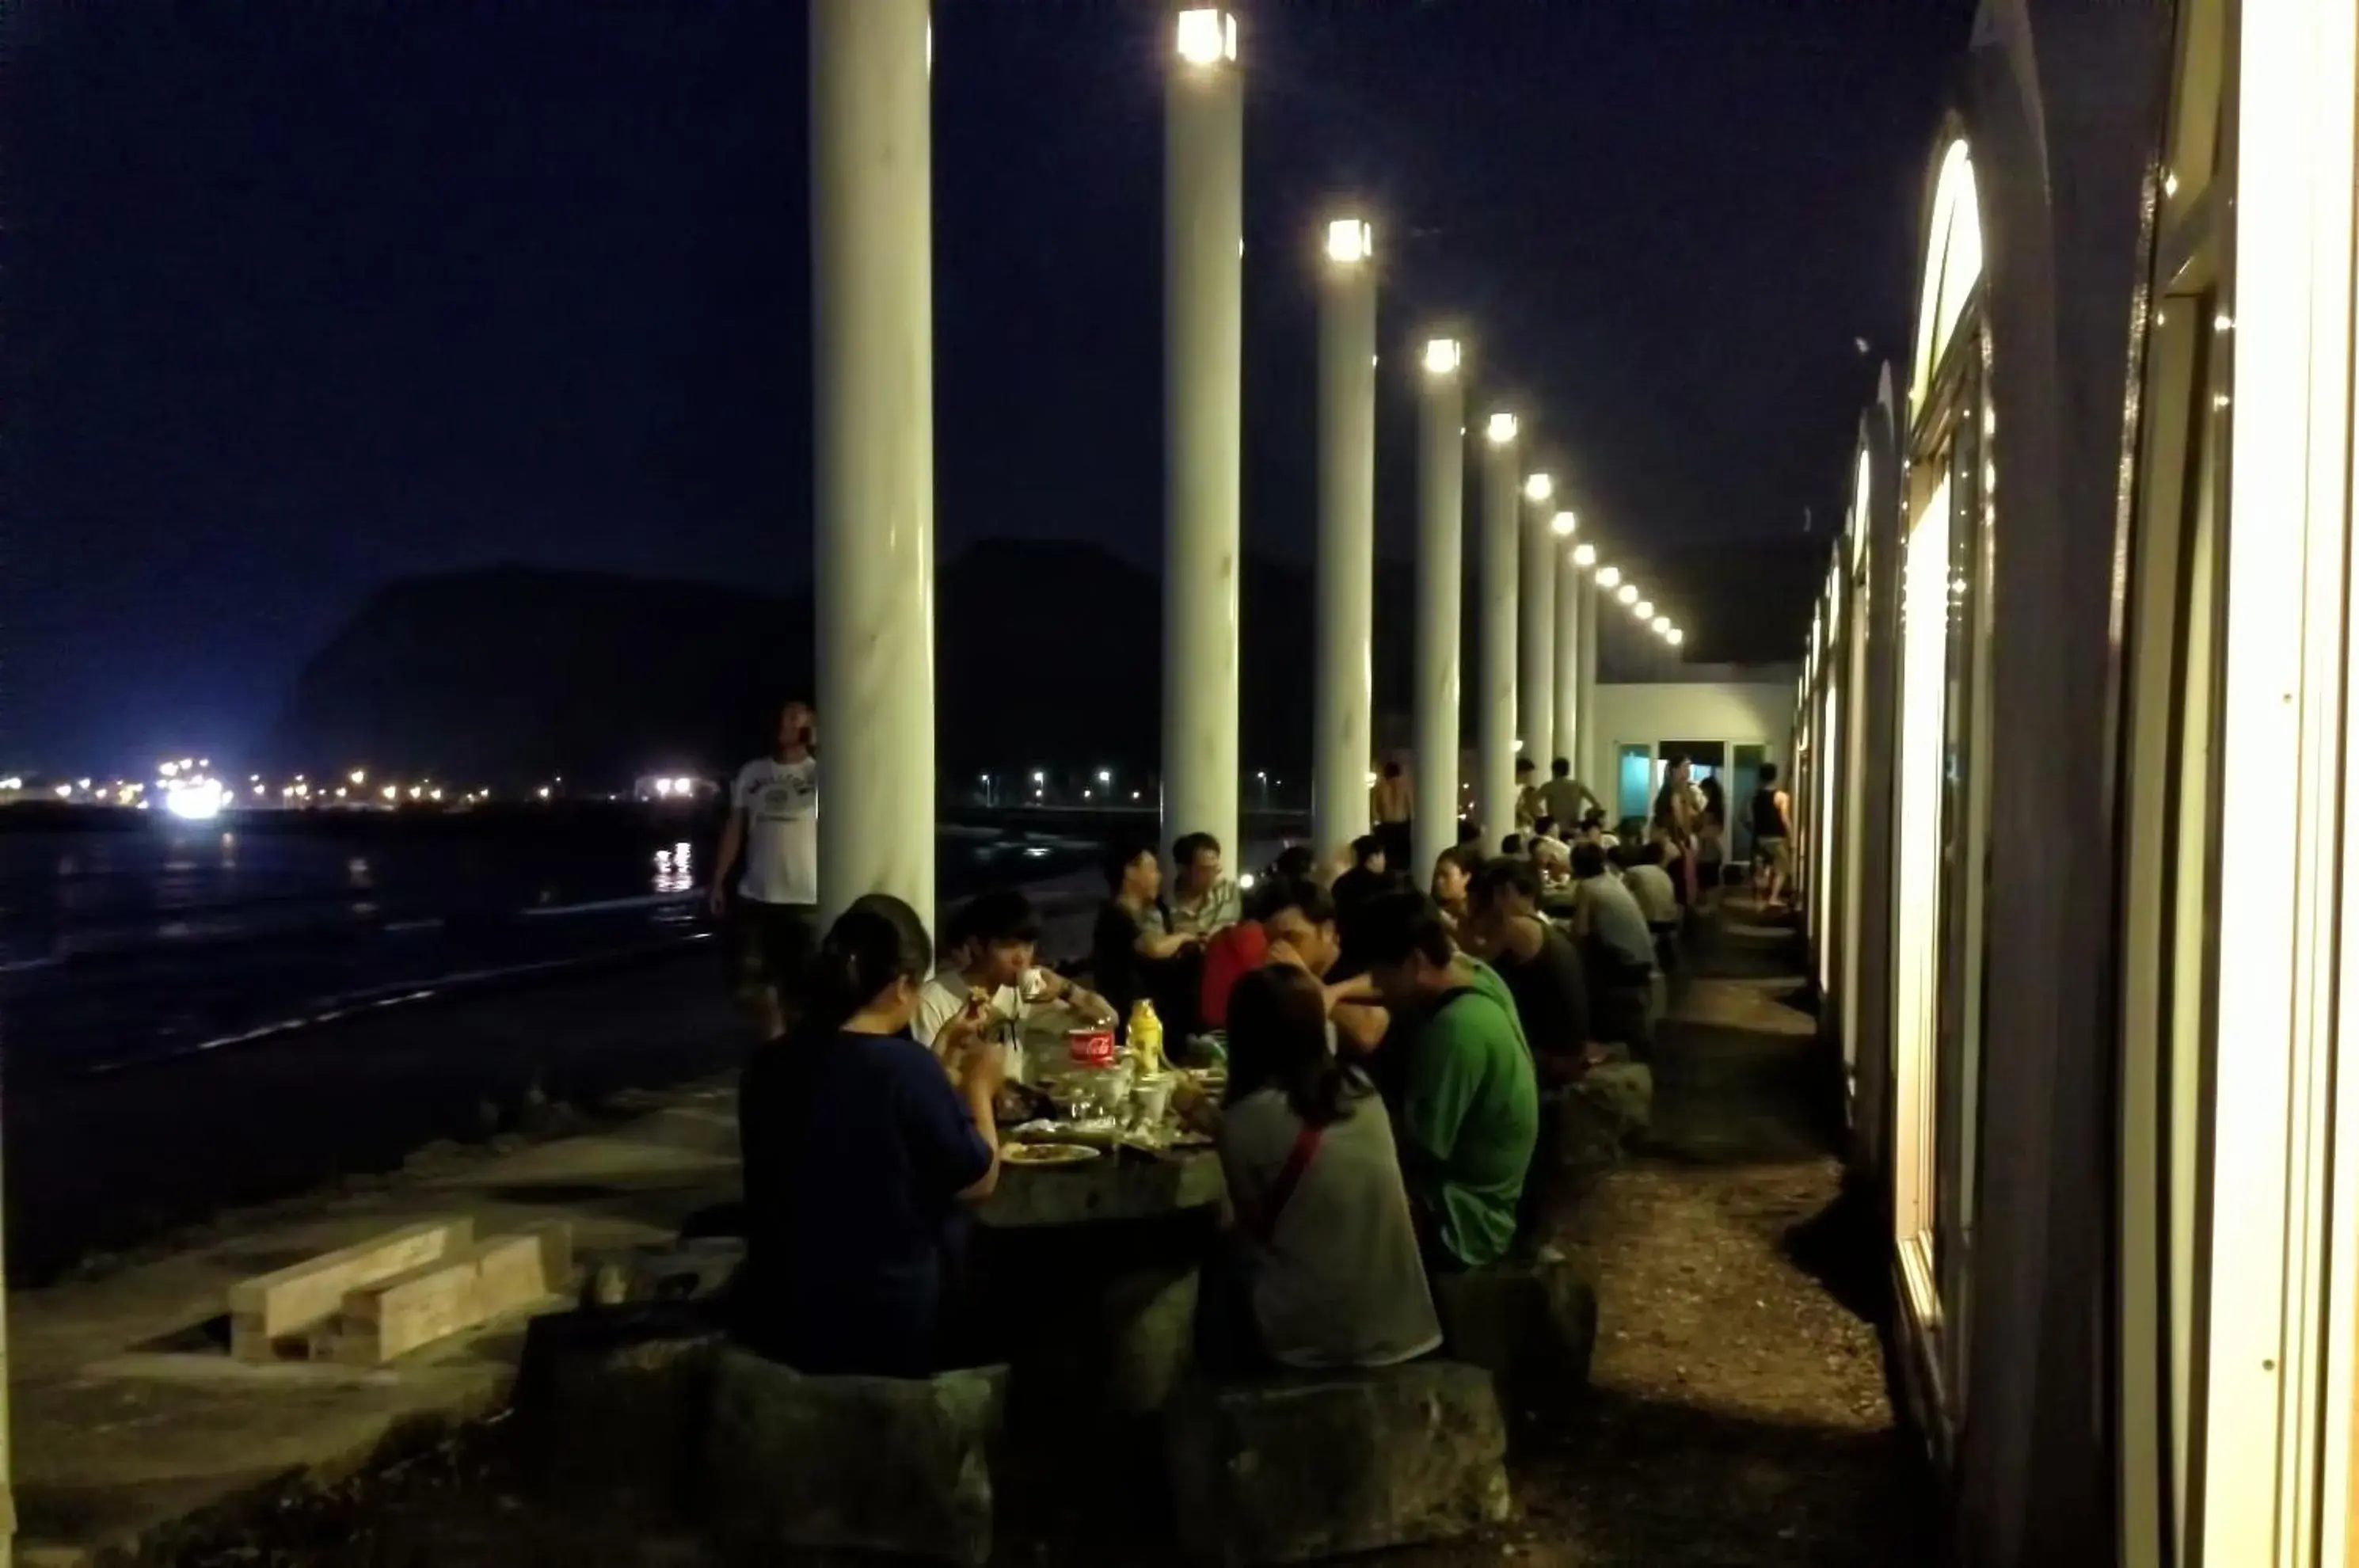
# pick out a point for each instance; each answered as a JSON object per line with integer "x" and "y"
{"x": 1092, "y": 1046}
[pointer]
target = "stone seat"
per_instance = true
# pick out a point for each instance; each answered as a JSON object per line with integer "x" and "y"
{"x": 612, "y": 1404}
{"x": 899, "y": 1466}
{"x": 1306, "y": 1466}
{"x": 1531, "y": 1324}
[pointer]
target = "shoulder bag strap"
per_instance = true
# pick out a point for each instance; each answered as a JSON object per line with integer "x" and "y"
{"x": 1289, "y": 1176}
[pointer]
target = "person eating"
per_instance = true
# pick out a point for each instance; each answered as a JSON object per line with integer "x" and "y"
{"x": 994, "y": 943}
{"x": 1330, "y": 1274}
{"x": 858, "y": 1152}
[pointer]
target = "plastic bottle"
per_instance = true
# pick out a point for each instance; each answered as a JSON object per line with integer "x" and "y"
{"x": 1145, "y": 1035}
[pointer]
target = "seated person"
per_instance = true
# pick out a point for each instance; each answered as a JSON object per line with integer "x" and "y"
{"x": 1234, "y": 952}
{"x": 1549, "y": 852}
{"x": 1296, "y": 861}
{"x": 1369, "y": 874}
{"x": 1616, "y": 948}
{"x": 1331, "y": 1271}
{"x": 1134, "y": 954}
{"x": 993, "y": 943}
{"x": 1204, "y": 900}
{"x": 1512, "y": 844}
{"x": 1453, "y": 874}
{"x": 1300, "y": 919}
{"x": 858, "y": 1150}
{"x": 1468, "y": 1104}
{"x": 1540, "y": 964}
{"x": 1643, "y": 874}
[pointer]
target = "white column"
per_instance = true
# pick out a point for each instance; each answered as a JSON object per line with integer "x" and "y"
{"x": 1343, "y": 695}
{"x": 873, "y": 447}
{"x": 1571, "y": 583}
{"x": 1204, "y": 241}
{"x": 1494, "y": 631}
{"x": 1535, "y": 629}
{"x": 1441, "y": 563}
{"x": 1589, "y": 763}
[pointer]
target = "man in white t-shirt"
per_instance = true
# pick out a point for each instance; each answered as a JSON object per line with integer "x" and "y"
{"x": 990, "y": 947}
{"x": 774, "y": 826}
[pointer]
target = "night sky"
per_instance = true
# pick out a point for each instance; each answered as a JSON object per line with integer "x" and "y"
{"x": 302, "y": 298}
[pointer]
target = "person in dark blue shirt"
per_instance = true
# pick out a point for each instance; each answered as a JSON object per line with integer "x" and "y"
{"x": 859, "y": 1148}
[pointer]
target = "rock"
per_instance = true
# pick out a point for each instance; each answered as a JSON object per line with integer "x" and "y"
{"x": 1624, "y": 1091}
{"x": 868, "y": 1463}
{"x": 1531, "y": 1325}
{"x": 613, "y": 1403}
{"x": 682, "y": 1273}
{"x": 1311, "y": 1466}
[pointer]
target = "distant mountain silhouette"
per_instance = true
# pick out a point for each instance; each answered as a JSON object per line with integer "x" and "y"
{"x": 1046, "y": 654}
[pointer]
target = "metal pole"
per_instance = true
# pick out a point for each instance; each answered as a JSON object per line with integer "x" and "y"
{"x": 1204, "y": 240}
{"x": 1347, "y": 543}
{"x": 1570, "y": 583}
{"x": 1440, "y": 561}
{"x": 1494, "y": 628}
{"x": 1535, "y": 629}
{"x": 872, "y": 448}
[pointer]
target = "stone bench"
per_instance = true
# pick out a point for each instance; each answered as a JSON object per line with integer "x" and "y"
{"x": 1314, "y": 1465}
{"x": 613, "y": 1405}
{"x": 902, "y": 1466}
{"x": 1532, "y": 1325}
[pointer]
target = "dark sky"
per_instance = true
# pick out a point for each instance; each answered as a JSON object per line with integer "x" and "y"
{"x": 305, "y": 296}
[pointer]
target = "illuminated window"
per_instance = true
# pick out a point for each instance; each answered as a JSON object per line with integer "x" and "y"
{"x": 1953, "y": 265}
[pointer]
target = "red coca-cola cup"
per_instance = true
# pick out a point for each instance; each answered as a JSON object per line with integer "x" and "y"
{"x": 1090, "y": 1047}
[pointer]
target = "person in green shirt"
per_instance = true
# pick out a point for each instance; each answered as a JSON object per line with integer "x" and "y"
{"x": 1469, "y": 1101}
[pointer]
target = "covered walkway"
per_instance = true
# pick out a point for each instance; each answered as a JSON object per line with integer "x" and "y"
{"x": 1739, "y": 1410}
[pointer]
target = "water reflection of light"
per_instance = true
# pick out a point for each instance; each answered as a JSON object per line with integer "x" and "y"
{"x": 675, "y": 869}
{"x": 356, "y": 870}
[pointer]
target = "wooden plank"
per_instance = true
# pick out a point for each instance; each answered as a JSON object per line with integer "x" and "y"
{"x": 295, "y": 1300}
{"x": 506, "y": 1274}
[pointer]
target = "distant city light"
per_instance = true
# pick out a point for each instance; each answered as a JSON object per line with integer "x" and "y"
{"x": 1440, "y": 357}
{"x": 1584, "y": 555}
{"x": 170, "y": 771}
{"x": 392, "y": 791}
{"x": 199, "y": 801}
{"x": 1106, "y": 774}
{"x": 65, "y": 791}
{"x": 1563, "y": 524}
{"x": 1540, "y": 488}
{"x": 359, "y": 777}
{"x": 544, "y": 792}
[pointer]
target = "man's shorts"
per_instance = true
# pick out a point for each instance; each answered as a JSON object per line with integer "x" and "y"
{"x": 769, "y": 944}
{"x": 1774, "y": 854}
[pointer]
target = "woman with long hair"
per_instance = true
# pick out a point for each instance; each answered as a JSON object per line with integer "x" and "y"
{"x": 859, "y": 1150}
{"x": 1327, "y": 1249}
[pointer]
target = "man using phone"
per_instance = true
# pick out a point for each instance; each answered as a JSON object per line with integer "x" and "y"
{"x": 774, "y": 825}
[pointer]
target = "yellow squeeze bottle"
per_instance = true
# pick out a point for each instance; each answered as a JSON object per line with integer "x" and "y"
{"x": 1145, "y": 1035}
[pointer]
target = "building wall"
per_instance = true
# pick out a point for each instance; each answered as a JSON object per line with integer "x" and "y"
{"x": 1757, "y": 711}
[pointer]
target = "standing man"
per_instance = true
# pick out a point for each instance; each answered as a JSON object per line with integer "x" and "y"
{"x": 1773, "y": 829}
{"x": 774, "y": 824}
{"x": 1388, "y": 809}
{"x": 1566, "y": 798}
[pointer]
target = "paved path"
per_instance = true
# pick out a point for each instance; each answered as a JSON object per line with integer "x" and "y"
{"x": 1740, "y": 1411}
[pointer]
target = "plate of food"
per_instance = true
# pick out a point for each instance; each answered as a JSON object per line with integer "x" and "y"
{"x": 1048, "y": 1154}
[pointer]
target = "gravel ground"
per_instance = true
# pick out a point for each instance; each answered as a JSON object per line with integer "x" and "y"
{"x": 1739, "y": 1412}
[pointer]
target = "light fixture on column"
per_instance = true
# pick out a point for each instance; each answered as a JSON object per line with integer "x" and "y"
{"x": 1585, "y": 556}
{"x": 1644, "y": 609}
{"x": 1350, "y": 241}
{"x": 1563, "y": 524}
{"x": 1539, "y": 487}
{"x": 1501, "y": 430}
{"x": 1628, "y": 593}
{"x": 1441, "y": 356}
{"x": 1207, "y": 36}
{"x": 1663, "y": 626}
{"x": 1608, "y": 576}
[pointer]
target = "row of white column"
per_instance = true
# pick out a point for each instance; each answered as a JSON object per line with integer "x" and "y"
{"x": 873, "y": 453}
